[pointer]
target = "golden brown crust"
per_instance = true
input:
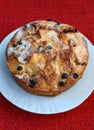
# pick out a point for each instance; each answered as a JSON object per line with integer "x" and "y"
{"x": 47, "y": 58}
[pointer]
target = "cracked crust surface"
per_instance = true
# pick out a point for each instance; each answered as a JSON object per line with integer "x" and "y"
{"x": 41, "y": 52}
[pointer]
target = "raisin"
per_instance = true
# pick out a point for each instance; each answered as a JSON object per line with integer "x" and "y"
{"x": 64, "y": 75}
{"x": 49, "y": 47}
{"x": 14, "y": 45}
{"x": 64, "y": 31}
{"x": 19, "y": 68}
{"x": 32, "y": 83}
{"x": 61, "y": 83}
{"x": 58, "y": 23}
{"x": 75, "y": 75}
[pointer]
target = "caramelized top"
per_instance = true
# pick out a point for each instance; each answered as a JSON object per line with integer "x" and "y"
{"x": 42, "y": 51}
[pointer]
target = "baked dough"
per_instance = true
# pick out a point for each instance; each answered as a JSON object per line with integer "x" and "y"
{"x": 47, "y": 57}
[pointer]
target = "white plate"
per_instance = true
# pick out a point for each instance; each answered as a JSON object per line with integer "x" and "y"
{"x": 40, "y": 104}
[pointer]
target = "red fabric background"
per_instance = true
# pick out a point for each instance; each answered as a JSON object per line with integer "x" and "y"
{"x": 13, "y": 14}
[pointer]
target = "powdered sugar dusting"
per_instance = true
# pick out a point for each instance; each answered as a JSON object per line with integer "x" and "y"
{"x": 22, "y": 51}
{"x": 28, "y": 25}
{"x": 20, "y": 76}
{"x": 19, "y": 33}
{"x": 52, "y": 35}
{"x": 23, "y": 76}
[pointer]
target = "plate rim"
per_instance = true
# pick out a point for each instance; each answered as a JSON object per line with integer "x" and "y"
{"x": 40, "y": 112}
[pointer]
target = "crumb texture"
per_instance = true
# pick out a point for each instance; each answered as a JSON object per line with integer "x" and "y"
{"x": 47, "y": 57}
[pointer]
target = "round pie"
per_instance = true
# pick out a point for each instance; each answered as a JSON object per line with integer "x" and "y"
{"x": 47, "y": 57}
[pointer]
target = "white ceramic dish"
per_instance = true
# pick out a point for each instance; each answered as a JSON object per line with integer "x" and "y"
{"x": 40, "y": 104}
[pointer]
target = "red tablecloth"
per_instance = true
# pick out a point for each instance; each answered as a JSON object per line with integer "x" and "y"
{"x": 13, "y": 14}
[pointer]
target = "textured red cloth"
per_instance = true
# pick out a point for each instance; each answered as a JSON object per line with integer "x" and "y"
{"x": 13, "y": 14}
